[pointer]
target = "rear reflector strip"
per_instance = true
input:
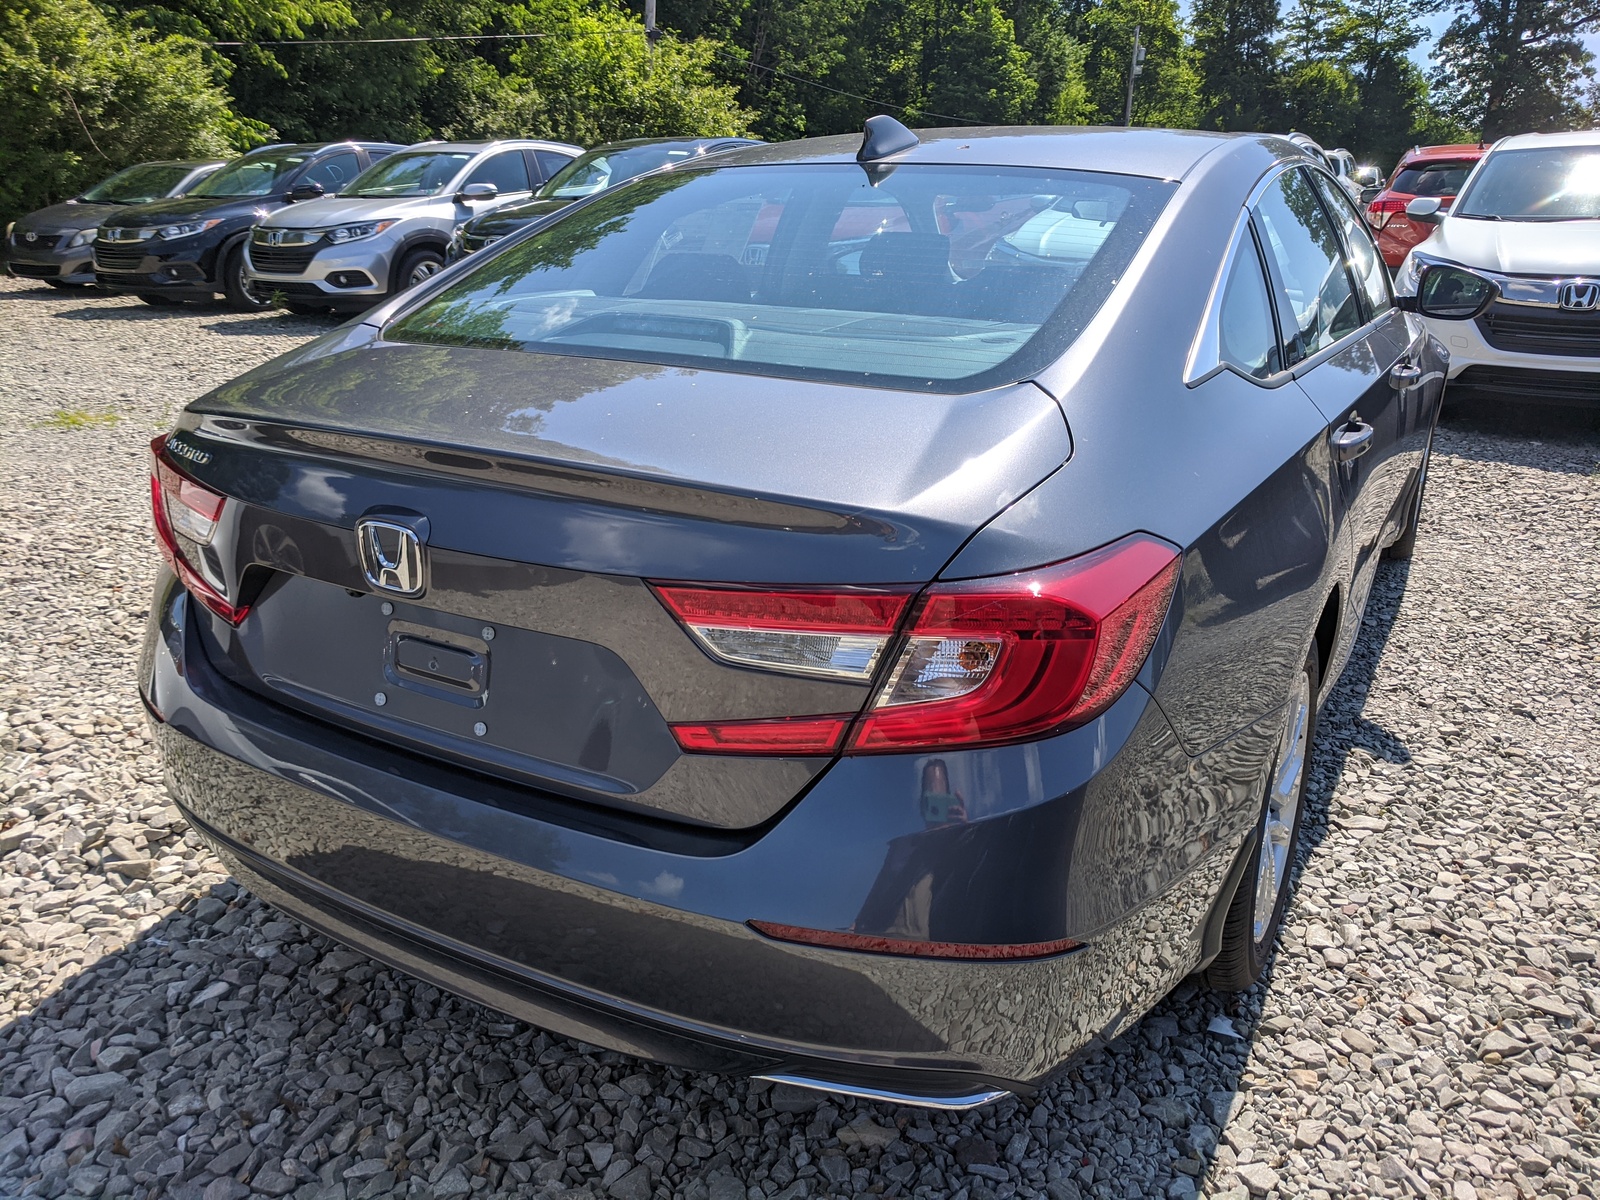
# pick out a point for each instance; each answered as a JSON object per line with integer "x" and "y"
{"x": 972, "y": 951}
{"x": 776, "y": 735}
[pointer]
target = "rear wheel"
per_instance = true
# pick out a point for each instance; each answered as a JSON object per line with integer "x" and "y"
{"x": 236, "y": 286}
{"x": 160, "y": 301}
{"x": 417, "y": 266}
{"x": 1257, "y": 908}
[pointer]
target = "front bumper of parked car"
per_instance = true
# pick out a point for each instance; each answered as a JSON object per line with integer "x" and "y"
{"x": 643, "y": 945}
{"x": 49, "y": 256}
{"x": 354, "y": 275}
{"x": 183, "y": 269}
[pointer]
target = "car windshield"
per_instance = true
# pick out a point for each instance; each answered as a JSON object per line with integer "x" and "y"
{"x": 1432, "y": 178}
{"x": 930, "y": 277}
{"x": 599, "y": 169}
{"x": 1543, "y": 183}
{"x": 138, "y": 185}
{"x": 253, "y": 175}
{"x": 421, "y": 174}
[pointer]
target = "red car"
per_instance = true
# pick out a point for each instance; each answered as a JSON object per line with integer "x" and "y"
{"x": 1423, "y": 171}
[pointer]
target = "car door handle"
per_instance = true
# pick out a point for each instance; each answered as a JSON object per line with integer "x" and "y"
{"x": 1405, "y": 374}
{"x": 1353, "y": 440}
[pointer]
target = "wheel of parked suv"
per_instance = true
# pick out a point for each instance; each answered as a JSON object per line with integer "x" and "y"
{"x": 1405, "y": 545}
{"x": 1257, "y": 908}
{"x": 419, "y": 265}
{"x": 235, "y": 286}
{"x": 158, "y": 300}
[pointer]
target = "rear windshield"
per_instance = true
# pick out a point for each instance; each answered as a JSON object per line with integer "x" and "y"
{"x": 939, "y": 278}
{"x": 139, "y": 185}
{"x": 257, "y": 174}
{"x": 423, "y": 174}
{"x": 1432, "y": 179}
{"x": 1543, "y": 183}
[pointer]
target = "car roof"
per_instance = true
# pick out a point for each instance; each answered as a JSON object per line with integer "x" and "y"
{"x": 695, "y": 143}
{"x": 477, "y": 146}
{"x": 319, "y": 147}
{"x": 1158, "y": 153}
{"x": 1458, "y": 150}
{"x": 1526, "y": 141}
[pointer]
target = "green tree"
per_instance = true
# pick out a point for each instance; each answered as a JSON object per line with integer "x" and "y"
{"x": 86, "y": 96}
{"x": 1167, "y": 93}
{"x": 1514, "y": 66}
{"x": 1237, "y": 64}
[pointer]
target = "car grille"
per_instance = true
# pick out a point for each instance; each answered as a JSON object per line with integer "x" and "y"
{"x": 43, "y": 241}
{"x": 1541, "y": 331}
{"x": 117, "y": 258}
{"x": 34, "y": 270}
{"x": 281, "y": 260}
{"x": 1514, "y": 383}
{"x": 471, "y": 243}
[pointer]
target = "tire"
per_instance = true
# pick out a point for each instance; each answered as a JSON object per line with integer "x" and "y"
{"x": 158, "y": 300}
{"x": 306, "y": 310}
{"x": 1404, "y": 546}
{"x": 417, "y": 266}
{"x": 235, "y": 287}
{"x": 1251, "y": 928}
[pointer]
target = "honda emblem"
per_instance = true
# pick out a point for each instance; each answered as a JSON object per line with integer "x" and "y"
{"x": 392, "y": 557}
{"x": 1581, "y": 295}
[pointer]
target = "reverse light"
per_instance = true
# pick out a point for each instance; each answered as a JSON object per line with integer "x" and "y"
{"x": 990, "y": 661}
{"x": 185, "y": 509}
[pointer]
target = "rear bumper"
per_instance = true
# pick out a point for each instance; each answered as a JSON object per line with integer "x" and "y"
{"x": 641, "y": 944}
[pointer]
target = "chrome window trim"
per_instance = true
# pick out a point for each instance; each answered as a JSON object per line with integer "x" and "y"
{"x": 1205, "y": 352}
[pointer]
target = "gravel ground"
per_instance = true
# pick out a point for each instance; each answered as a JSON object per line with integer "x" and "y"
{"x": 1429, "y": 1028}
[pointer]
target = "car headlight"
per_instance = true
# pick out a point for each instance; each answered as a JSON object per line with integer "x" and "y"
{"x": 82, "y": 238}
{"x": 354, "y": 233}
{"x": 171, "y": 233}
{"x": 10, "y": 225}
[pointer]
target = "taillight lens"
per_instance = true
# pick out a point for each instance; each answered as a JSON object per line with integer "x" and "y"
{"x": 832, "y": 634}
{"x": 1381, "y": 211}
{"x": 184, "y": 508}
{"x": 990, "y": 661}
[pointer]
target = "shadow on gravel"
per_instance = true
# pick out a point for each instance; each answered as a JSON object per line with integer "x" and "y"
{"x": 228, "y": 1050}
{"x": 221, "y": 319}
{"x": 1494, "y": 421}
{"x": 45, "y": 292}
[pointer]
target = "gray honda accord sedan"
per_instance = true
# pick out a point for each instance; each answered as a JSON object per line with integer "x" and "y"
{"x": 853, "y": 612}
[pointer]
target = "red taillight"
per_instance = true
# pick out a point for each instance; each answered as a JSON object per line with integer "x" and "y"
{"x": 978, "y": 951}
{"x": 990, "y": 661}
{"x": 181, "y": 506}
{"x": 1381, "y": 211}
{"x": 776, "y": 735}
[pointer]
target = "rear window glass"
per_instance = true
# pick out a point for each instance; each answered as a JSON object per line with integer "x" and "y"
{"x": 1432, "y": 179}
{"x": 942, "y": 278}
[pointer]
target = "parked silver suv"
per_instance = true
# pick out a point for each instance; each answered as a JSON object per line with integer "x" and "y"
{"x": 390, "y": 227}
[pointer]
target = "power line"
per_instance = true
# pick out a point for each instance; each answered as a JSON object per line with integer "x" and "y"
{"x": 903, "y": 108}
{"x": 435, "y": 37}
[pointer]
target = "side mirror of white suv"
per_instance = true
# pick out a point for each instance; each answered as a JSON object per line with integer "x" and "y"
{"x": 1426, "y": 209}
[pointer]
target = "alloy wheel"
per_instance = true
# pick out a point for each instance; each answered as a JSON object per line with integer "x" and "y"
{"x": 1283, "y": 808}
{"x": 423, "y": 270}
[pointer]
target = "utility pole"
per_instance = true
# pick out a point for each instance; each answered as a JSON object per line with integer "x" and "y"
{"x": 1135, "y": 69}
{"x": 651, "y": 33}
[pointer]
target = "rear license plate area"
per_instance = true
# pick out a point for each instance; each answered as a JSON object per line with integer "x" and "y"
{"x": 440, "y": 663}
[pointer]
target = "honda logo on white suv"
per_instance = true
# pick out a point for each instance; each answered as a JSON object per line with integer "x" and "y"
{"x": 1581, "y": 295}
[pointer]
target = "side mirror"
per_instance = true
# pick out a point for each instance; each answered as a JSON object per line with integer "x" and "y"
{"x": 1371, "y": 192}
{"x": 477, "y": 191}
{"x": 305, "y": 191}
{"x": 1368, "y": 177}
{"x": 1426, "y": 210}
{"x": 1450, "y": 294}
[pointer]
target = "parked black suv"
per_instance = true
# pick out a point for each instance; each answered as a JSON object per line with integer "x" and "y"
{"x": 192, "y": 247}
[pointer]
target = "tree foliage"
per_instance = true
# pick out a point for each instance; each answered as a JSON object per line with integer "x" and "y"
{"x": 87, "y": 95}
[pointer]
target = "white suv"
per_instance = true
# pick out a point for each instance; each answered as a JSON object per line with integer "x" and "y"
{"x": 1528, "y": 218}
{"x": 390, "y": 226}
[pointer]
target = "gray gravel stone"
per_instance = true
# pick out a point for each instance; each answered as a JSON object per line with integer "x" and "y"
{"x": 1429, "y": 1027}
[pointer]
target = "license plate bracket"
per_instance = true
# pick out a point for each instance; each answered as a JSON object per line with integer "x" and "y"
{"x": 437, "y": 662}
